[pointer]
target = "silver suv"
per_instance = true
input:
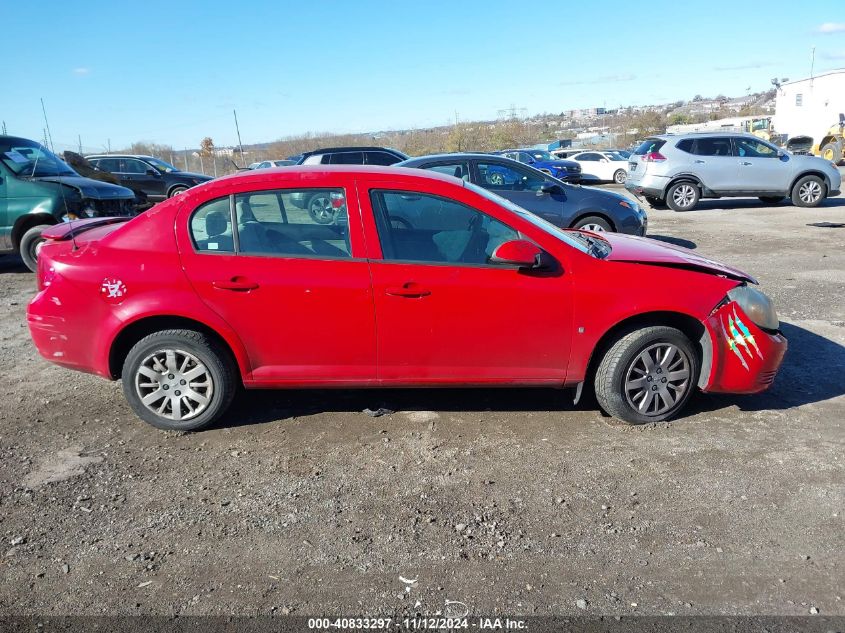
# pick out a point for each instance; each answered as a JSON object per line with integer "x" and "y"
{"x": 680, "y": 170}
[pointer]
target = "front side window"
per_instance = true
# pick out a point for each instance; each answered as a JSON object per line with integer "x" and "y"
{"x": 211, "y": 227}
{"x": 509, "y": 177}
{"x": 752, "y": 148}
{"x": 293, "y": 223}
{"x": 133, "y": 166}
{"x": 417, "y": 227}
{"x": 458, "y": 169}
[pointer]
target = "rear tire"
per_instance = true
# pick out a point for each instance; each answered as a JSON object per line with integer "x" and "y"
{"x": 29, "y": 246}
{"x": 683, "y": 196}
{"x": 771, "y": 199}
{"x": 179, "y": 380}
{"x": 176, "y": 191}
{"x": 808, "y": 192}
{"x": 593, "y": 223}
{"x": 619, "y": 176}
{"x": 647, "y": 376}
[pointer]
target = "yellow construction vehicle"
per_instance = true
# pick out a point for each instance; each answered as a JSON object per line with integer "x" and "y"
{"x": 832, "y": 145}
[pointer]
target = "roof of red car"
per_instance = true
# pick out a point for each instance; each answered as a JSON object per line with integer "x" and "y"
{"x": 363, "y": 170}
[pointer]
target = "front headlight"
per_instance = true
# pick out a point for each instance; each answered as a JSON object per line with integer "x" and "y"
{"x": 756, "y": 305}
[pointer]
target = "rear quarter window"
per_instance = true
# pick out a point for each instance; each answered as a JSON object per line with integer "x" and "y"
{"x": 685, "y": 145}
{"x": 649, "y": 145}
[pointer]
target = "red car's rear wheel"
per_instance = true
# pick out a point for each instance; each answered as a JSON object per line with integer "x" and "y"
{"x": 179, "y": 380}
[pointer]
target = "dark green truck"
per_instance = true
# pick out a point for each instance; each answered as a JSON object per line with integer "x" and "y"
{"x": 38, "y": 189}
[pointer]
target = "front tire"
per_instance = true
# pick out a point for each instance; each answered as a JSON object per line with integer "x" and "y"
{"x": 593, "y": 223}
{"x": 619, "y": 176}
{"x": 179, "y": 380}
{"x": 31, "y": 242}
{"x": 832, "y": 151}
{"x": 808, "y": 192}
{"x": 176, "y": 191}
{"x": 683, "y": 196}
{"x": 647, "y": 376}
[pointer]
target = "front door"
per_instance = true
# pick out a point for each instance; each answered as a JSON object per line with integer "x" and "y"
{"x": 522, "y": 187}
{"x": 297, "y": 293}
{"x": 446, "y": 314}
{"x": 760, "y": 168}
{"x": 5, "y": 224}
{"x": 136, "y": 174}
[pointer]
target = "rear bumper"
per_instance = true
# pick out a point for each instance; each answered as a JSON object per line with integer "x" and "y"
{"x": 745, "y": 358}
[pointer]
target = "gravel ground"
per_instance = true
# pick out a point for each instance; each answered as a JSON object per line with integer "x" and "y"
{"x": 509, "y": 501}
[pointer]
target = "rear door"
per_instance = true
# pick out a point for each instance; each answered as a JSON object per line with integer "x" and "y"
{"x": 296, "y": 292}
{"x": 713, "y": 162}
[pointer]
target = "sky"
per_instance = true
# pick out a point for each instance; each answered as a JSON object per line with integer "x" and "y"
{"x": 173, "y": 72}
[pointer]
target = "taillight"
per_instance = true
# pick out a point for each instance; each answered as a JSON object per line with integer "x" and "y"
{"x": 654, "y": 157}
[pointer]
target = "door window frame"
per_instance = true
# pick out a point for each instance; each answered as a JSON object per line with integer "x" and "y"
{"x": 379, "y": 223}
{"x": 356, "y": 240}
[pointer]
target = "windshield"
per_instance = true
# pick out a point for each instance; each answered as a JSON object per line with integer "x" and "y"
{"x": 28, "y": 159}
{"x": 539, "y": 154}
{"x": 161, "y": 165}
{"x": 569, "y": 238}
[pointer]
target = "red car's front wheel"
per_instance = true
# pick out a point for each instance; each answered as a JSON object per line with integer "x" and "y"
{"x": 178, "y": 380}
{"x": 648, "y": 375}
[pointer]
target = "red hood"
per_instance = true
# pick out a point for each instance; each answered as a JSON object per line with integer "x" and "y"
{"x": 627, "y": 248}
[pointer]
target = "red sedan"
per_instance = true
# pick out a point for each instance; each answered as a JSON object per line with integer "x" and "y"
{"x": 419, "y": 279}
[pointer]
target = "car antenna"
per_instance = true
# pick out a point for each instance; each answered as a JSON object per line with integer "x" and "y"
{"x": 61, "y": 185}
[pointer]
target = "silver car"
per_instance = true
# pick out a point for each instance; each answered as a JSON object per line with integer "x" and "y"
{"x": 680, "y": 170}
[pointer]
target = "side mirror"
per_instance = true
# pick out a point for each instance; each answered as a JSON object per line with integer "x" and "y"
{"x": 152, "y": 172}
{"x": 521, "y": 253}
{"x": 781, "y": 154}
{"x": 549, "y": 187}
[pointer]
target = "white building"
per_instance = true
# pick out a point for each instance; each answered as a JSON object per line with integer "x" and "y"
{"x": 809, "y": 107}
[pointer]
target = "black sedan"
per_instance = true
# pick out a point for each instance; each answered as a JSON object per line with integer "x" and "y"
{"x": 156, "y": 178}
{"x": 562, "y": 204}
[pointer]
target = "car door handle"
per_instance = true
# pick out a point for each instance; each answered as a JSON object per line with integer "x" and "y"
{"x": 411, "y": 290}
{"x": 238, "y": 284}
{"x": 745, "y": 162}
{"x": 700, "y": 162}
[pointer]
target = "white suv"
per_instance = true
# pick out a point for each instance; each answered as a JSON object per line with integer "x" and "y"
{"x": 680, "y": 170}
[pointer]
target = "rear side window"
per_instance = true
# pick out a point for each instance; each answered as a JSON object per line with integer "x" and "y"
{"x": 348, "y": 158}
{"x": 712, "y": 146}
{"x": 211, "y": 227}
{"x": 381, "y": 158}
{"x": 293, "y": 223}
{"x": 685, "y": 145}
{"x": 649, "y": 145}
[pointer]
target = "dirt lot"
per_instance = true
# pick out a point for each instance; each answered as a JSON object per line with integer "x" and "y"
{"x": 508, "y": 501}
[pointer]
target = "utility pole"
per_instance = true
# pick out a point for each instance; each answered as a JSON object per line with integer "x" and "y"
{"x": 812, "y": 61}
{"x": 4, "y": 128}
{"x": 238, "y": 130}
{"x": 186, "y": 159}
{"x": 109, "y": 142}
{"x": 79, "y": 136}
{"x": 49, "y": 136}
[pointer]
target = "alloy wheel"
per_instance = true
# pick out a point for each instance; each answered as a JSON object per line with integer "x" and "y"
{"x": 657, "y": 379}
{"x": 496, "y": 179}
{"x": 810, "y": 192}
{"x": 174, "y": 384}
{"x": 321, "y": 209}
{"x": 684, "y": 196}
{"x": 596, "y": 228}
